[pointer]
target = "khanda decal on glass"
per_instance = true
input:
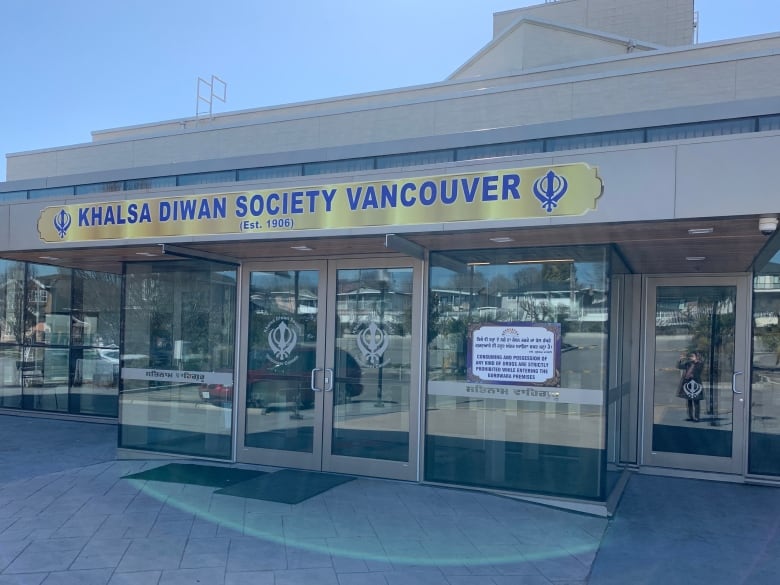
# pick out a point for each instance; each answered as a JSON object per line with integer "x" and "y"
{"x": 550, "y": 189}
{"x": 62, "y": 222}
{"x": 372, "y": 342}
{"x": 282, "y": 339}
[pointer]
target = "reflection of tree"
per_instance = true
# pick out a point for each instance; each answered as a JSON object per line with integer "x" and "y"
{"x": 712, "y": 329}
{"x": 11, "y": 300}
{"x": 766, "y": 326}
{"x": 564, "y": 272}
{"x": 100, "y": 295}
{"x": 193, "y": 305}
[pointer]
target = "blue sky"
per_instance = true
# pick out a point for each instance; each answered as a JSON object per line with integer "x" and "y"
{"x": 74, "y": 66}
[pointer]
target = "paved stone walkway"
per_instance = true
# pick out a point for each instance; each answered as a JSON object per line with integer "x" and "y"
{"x": 68, "y": 517}
{"x": 85, "y": 524}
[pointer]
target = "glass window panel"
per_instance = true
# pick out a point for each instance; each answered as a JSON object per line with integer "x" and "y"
{"x": 338, "y": 166}
{"x": 270, "y": 172}
{"x": 96, "y": 309}
{"x": 47, "y": 306}
{"x": 13, "y": 195}
{"x": 281, "y": 354}
{"x": 11, "y": 373}
{"x": 766, "y": 123}
{"x": 95, "y": 338}
{"x": 181, "y": 342}
{"x": 701, "y": 129}
{"x": 415, "y": 159}
{"x": 205, "y": 178}
{"x": 496, "y": 150}
{"x": 51, "y": 192}
{"x": 109, "y": 187}
{"x": 44, "y": 378}
{"x": 149, "y": 184}
{"x": 596, "y": 140}
{"x": 372, "y": 363}
{"x": 694, "y": 361}
{"x": 519, "y": 436}
{"x": 11, "y": 301}
{"x": 765, "y": 386}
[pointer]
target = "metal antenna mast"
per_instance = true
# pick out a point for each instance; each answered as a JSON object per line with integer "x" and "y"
{"x": 207, "y": 92}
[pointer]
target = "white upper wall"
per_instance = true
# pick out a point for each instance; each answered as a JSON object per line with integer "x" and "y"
{"x": 663, "y": 22}
{"x": 530, "y": 44}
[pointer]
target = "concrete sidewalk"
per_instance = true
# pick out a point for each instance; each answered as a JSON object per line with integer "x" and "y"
{"x": 67, "y": 517}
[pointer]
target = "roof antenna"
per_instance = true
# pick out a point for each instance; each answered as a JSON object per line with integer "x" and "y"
{"x": 207, "y": 92}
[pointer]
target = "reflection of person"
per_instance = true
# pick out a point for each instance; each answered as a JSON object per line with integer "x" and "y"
{"x": 690, "y": 386}
{"x": 161, "y": 351}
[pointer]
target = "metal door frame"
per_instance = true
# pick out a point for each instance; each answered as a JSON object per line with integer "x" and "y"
{"x": 321, "y": 458}
{"x": 272, "y": 457}
{"x": 736, "y": 464}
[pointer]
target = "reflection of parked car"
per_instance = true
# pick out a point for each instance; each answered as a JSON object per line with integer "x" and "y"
{"x": 275, "y": 386}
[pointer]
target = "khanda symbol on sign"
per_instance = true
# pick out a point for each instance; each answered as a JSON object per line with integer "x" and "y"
{"x": 549, "y": 189}
{"x": 62, "y": 222}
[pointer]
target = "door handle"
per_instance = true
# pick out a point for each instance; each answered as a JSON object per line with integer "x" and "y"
{"x": 328, "y": 380}
{"x": 312, "y": 382}
{"x": 734, "y": 382}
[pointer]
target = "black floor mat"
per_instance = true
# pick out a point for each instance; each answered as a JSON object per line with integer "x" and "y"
{"x": 288, "y": 486}
{"x": 207, "y": 475}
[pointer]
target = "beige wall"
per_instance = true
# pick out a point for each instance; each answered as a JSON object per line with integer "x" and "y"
{"x": 665, "y": 22}
{"x": 693, "y": 82}
{"x": 714, "y": 177}
{"x": 531, "y": 45}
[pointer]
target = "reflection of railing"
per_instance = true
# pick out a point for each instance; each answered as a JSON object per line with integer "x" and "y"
{"x": 672, "y": 319}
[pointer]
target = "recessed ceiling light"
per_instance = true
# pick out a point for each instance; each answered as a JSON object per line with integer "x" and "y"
{"x": 48, "y": 258}
{"x": 301, "y": 248}
{"x": 695, "y": 258}
{"x": 700, "y": 231}
{"x": 477, "y": 263}
{"x": 148, "y": 254}
{"x": 502, "y": 239}
{"x": 548, "y": 261}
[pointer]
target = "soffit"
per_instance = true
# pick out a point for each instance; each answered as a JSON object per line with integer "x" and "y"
{"x": 647, "y": 247}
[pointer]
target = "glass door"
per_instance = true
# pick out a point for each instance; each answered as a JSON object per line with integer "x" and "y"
{"x": 330, "y": 368}
{"x": 696, "y": 389}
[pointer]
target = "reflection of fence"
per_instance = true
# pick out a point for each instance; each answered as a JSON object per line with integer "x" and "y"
{"x": 672, "y": 319}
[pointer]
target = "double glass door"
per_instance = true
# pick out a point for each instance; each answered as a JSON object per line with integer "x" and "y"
{"x": 695, "y": 377}
{"x": 330, "y": 367}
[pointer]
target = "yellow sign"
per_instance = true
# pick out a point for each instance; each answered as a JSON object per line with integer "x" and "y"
{"x": 506, "y": 194}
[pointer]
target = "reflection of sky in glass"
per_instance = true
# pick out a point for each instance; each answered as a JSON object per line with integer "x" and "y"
{"x": 499, "y": 276}
{"x": 398, "y": 279}
{"x": 284, "y": 280}
{"x": 773, "y": 266}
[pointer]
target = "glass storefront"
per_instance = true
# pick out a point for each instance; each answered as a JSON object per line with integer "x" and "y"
{"x": 517, "y": 370}
{"x": 519, "y": 364}
{"x": 177, "y": 367}
{"x": 59, "y": 339}
{"x": 764, "y": 449}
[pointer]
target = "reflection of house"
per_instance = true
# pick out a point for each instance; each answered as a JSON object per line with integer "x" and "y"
{"x": 767, "y": 305}
{"x": 363, "y": 304}
{"x": 299, "y": 303}
{"x": 581, "y": 305}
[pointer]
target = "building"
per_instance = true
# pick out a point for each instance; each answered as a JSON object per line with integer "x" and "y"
{"x": 494, "y": 281}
